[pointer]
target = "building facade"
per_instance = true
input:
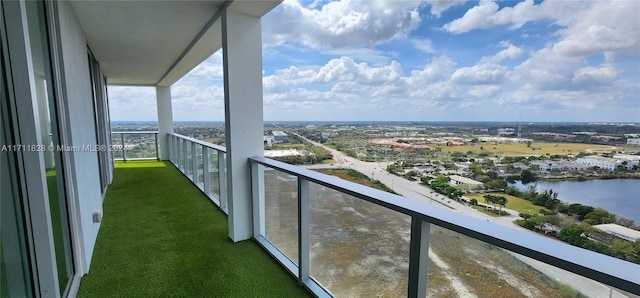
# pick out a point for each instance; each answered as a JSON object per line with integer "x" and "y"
{"x": 55, "y": 164}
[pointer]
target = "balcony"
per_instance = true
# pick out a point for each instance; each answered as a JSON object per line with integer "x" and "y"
{"x": 334, "y": 237}
{"x": 160, "y": 236}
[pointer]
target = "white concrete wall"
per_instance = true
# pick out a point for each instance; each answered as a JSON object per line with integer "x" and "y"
{"x": 165, "y": 119}
{"x": 242, "y": 59}
{"x": 81, "y": 122}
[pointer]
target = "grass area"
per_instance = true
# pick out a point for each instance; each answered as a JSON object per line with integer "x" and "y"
{"x": 57, "y": 228}
{"x": 515, "y": 203}
{"x": 329, "y": 161}
{"x": 515, "y": 149}
{"x": 482, "y": 209}
{"x": 160, "y": 236}
{"x": 356, "y": 177}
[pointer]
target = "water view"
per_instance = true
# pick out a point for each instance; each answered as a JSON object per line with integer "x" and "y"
{"x": 619, "y": 196}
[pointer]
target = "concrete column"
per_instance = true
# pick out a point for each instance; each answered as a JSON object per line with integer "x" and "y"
{"x": 242, "y": 60}
{"x": 165, "y": 119}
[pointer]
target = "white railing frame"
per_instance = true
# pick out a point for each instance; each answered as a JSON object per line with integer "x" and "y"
{"x": 180, "y": 143}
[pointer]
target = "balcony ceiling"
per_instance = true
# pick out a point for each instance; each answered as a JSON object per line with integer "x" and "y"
{"x": 155, "y": 42}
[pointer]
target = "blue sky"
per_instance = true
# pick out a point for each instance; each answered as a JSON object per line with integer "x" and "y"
{"x": 433, "y": 60}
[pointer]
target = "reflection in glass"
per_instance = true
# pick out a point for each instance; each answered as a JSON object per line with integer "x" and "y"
{"x": 14, "y": 261}
{"x": 358, "y": 249}
{"x": 281, "y": 211}
{"x": 214, "y": 175}
{"x": 461, "y": 266}
{"x": 47, "y": 113}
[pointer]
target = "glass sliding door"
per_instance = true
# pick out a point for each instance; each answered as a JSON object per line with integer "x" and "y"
{"x": 47, "y": 118}
{"x": 15, "y": 273}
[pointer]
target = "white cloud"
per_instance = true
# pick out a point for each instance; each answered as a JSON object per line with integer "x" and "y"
{"x": 478, "y": 17}
{"x": 606, "y": 26}
{"x": 487, "y": 14}
{"x": 341, "y": 24}
{"x": 440, "y": 6}
{"x": 424, "y": 45}
{"x": 132, "y": 103}
{"x": 483, "y": 74}
{"x": 594, "y": 76}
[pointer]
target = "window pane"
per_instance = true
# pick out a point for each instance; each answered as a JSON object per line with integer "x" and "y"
{"x": 15, "y": 275}
{"x": 281, "y": 211}
{"x": 358, "y": 249}
{"x": 47, "y": 114}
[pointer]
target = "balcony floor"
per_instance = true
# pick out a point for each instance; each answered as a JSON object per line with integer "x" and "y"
{"x": 160, "y": 236}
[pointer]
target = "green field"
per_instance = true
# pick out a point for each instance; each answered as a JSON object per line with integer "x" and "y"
{"x": 515, "y": 149}
{"x": 515, "y": 203}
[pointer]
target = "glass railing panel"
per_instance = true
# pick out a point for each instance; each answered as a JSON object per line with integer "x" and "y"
{"x": 222, "y": 169}
{"x": 116, "y": 143}
{"x": 460, "y": 266}
{"x": 281, "y": 211}
{"x": 199, "y": 175}
{"x": 140, "y": 145}
{"x": 214, "y": 175}
{"x": 187, "y": 167}
{"x": 357, "y": 248}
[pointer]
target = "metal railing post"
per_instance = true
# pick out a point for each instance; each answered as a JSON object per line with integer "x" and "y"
{"x": 418, "y": 257}
{"x": 184, "y": 156}
{"x": 124, "y": 149}
{"x": 222, "y": 179}
{"x": 303, "y": 230}
{"x": 206, "y": 184}
{"x": 157, "y": 151}
{"x": 194, "y": 163}
{"x": 257, "y": 185}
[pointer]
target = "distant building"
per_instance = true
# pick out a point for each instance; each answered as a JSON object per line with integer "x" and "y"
{"x": 585, "y": 133}
{"x": 280, "y": 136}
{"x": 633, "y": 141}
{"x": 620, "y": 231}
{"x": 393, "y": 134}
{"x": 312, "y": 127}
{"x": 606, "y": 138}
{"x": 555, "y": 136}
{"x": 601, "y": 162}
{"x": 464, "y": 182}
{"x": 326, "y": 135}
{"x": 549, "y": 165}
{"x": 506, "y": 131}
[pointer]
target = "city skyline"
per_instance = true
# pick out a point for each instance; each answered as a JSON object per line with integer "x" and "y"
{"x": 429, "y": 61}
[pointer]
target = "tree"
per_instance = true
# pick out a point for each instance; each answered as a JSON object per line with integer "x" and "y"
{"x": 527, "y": 176}
{"x": 502, "y": 201}
{"x": 599, "y": 216}
{"x": 573, "y": 235}
{"x": 623, "y": 249}
{"x": 496, "y": 184}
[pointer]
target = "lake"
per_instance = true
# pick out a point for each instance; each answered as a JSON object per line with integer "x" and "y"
{"x": 619, "y": 196}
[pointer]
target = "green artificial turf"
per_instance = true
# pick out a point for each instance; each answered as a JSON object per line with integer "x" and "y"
{"x": 160, "y": 236}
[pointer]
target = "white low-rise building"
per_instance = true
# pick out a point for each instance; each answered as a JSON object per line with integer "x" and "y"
{"x": 620, "y": 231}
{"x": 601, "y": 162}
{"x": 633, "y": 141}
{"x": 618, "y": 160}
{"x": 464, "y": 182}
{"x": 549, "y": 165}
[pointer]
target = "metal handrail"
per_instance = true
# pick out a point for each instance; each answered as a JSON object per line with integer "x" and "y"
{"x": 602, "y": 268}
